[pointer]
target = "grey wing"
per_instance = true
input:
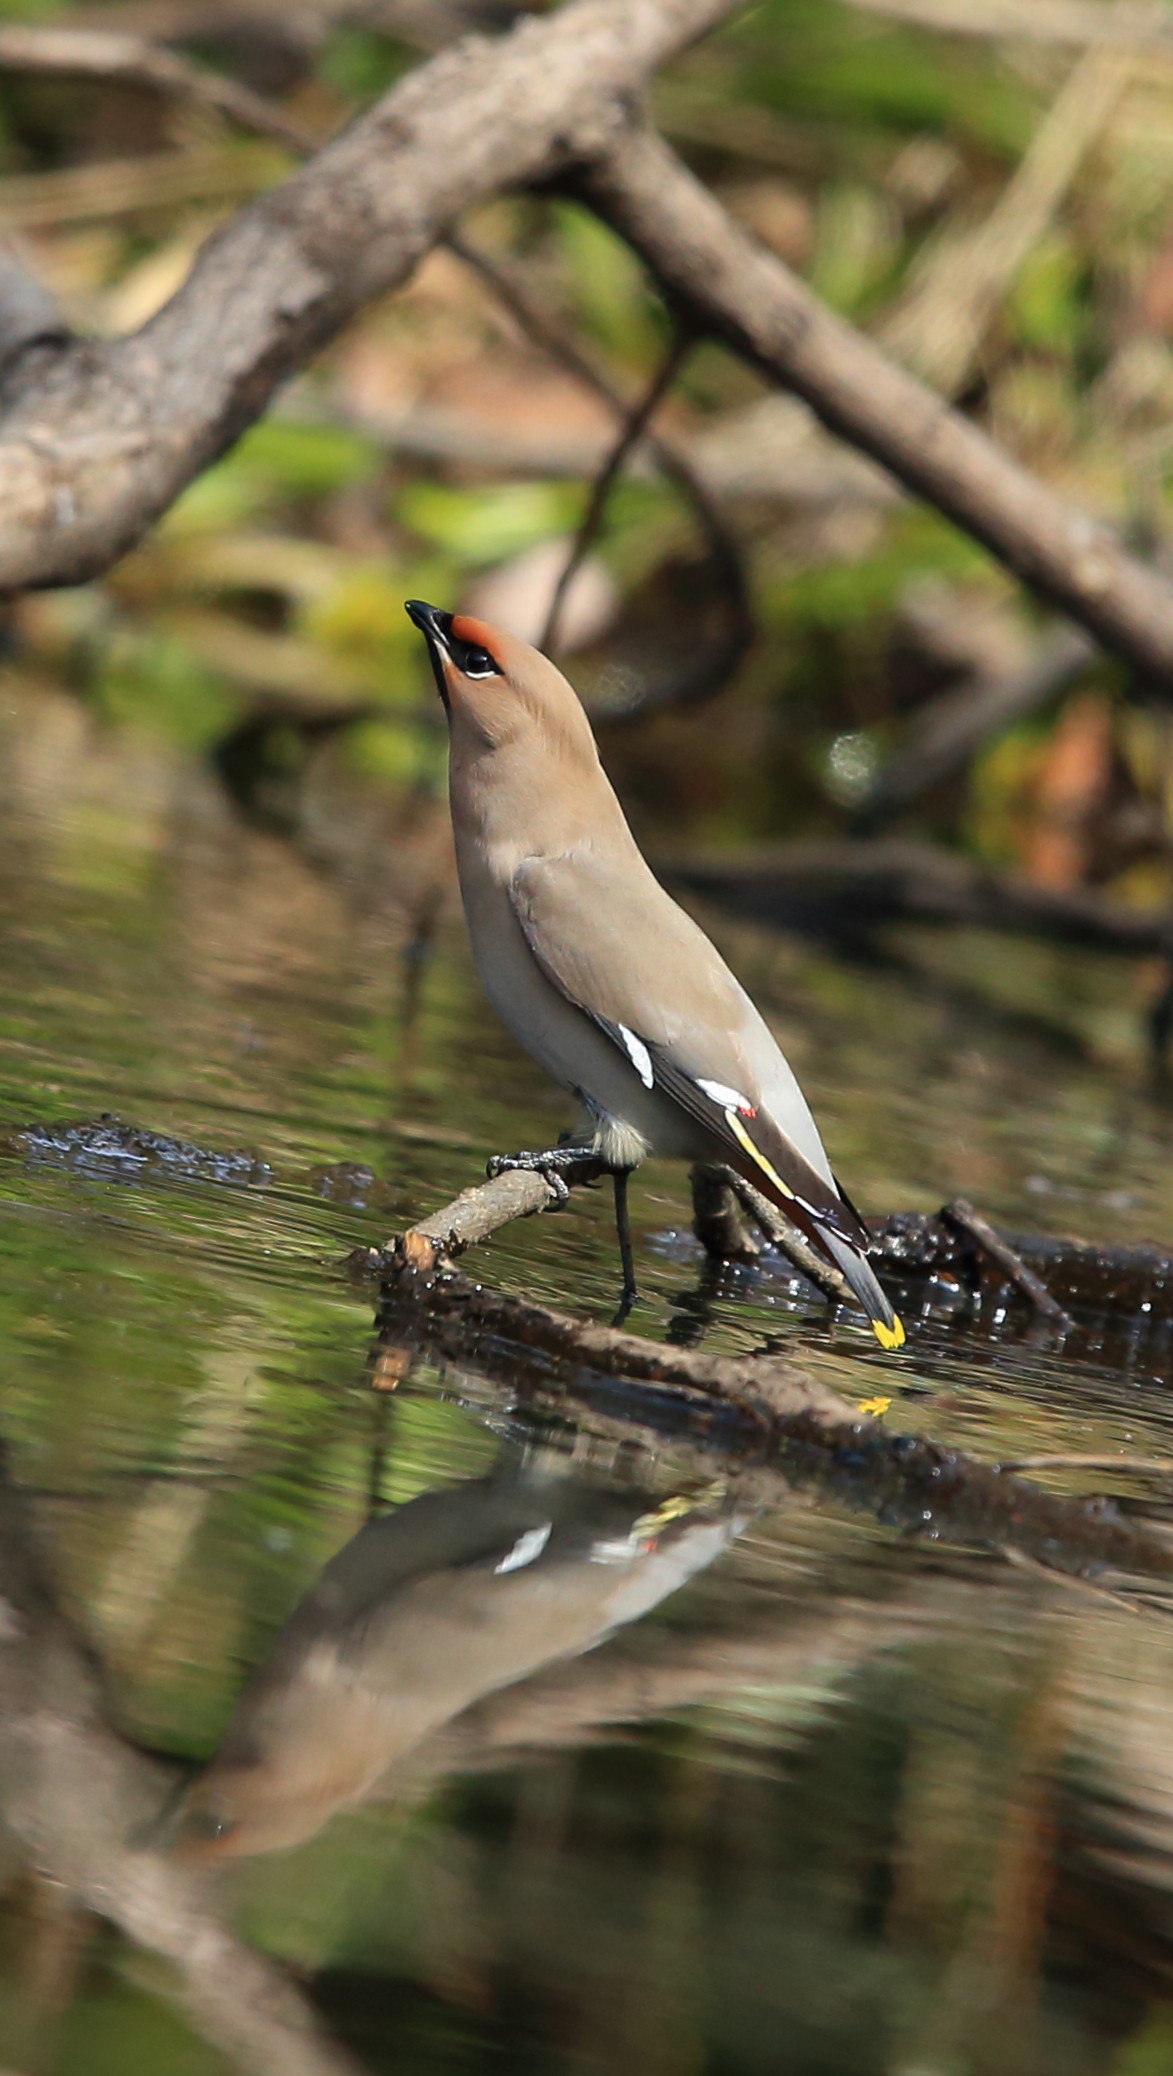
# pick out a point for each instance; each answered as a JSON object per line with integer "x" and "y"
{"x": 617, "y": 946}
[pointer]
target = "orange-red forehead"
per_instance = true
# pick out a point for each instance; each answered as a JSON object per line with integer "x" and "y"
{"x": 477, "y": 633}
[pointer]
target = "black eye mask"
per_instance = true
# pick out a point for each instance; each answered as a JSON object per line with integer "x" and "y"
{"x": 469, "y": 658}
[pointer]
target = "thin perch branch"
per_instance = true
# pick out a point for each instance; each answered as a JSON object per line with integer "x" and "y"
{"x": 480, "y": 1211}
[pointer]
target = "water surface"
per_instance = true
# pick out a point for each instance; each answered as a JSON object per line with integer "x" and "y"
{"x": 838, "y": 1798}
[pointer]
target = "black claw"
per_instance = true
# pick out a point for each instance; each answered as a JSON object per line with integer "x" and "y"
{"x": 548, "y": 1164}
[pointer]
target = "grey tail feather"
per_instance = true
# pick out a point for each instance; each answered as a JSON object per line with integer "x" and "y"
{"x": 858, "y": 1276}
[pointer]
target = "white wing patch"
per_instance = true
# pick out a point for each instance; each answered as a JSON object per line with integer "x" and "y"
{"x": 526, "y": 1548}
{"x": 725, "y": 1098}
{"x": 637, "y": 1052}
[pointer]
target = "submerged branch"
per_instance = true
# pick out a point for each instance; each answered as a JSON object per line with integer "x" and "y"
{"x": 1005, "y": 1257}
{"x": 783, "y": 1423}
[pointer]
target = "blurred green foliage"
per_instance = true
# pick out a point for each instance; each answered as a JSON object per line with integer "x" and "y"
{"x": 866, "y": 151}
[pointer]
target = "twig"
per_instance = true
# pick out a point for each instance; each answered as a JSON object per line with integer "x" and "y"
{"x": 1132, "y": 1284}
{"x": 1159, "y": 1465}
{"x": 789, "y": 1241}
{"x": 962, "y": 1214}
{"x": 728, "y": 569}
{"x": 481, "y": 1210}
{"x": 131, "y": 60}
{"x": 736, "y": 290}
{"x": 637, "y": 421}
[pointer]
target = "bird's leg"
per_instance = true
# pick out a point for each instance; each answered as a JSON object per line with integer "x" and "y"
{"x": 554, "y": 1163}
{"x": 623, "y": 1229}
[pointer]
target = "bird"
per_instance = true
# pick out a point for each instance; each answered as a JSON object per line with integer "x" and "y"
{"x": 443, "y": 1600}
{"x": 597, "y": 971}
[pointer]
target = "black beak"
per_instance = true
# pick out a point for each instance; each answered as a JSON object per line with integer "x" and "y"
{"x": 436, "y": 628}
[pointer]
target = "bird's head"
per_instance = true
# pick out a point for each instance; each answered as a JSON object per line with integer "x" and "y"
{"x": 496, "y": 689}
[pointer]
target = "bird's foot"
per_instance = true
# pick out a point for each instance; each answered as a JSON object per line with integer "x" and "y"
{"x": 627, "y": 1299}
{"x": 553, "y": 1164}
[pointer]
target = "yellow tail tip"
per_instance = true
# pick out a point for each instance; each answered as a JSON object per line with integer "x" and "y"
{"x": 889, "y": 1336}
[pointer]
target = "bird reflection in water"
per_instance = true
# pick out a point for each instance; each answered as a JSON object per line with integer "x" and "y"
{"x": 428, "y": 1609}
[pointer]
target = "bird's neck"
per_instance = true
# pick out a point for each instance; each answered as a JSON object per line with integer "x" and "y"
{"x": 529, "y": 799}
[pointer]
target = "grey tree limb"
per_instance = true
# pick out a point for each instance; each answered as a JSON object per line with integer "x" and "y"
{"x": 108, "y": 433}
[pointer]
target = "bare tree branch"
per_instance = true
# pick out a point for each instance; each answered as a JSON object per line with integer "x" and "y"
{"x": 106, "y": 436}
{"x": 738, "y": 291}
